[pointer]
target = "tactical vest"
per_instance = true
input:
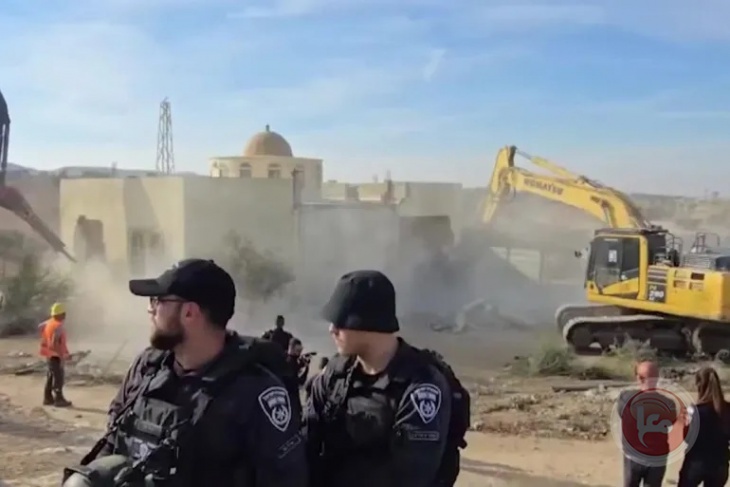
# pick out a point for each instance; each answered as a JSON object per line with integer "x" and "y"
{"x": 358, "y": 425}
{"x": 362, "y": 423}
{"x": 180, "y": 430}
{"x": 358, "y": 433}
{"x": 176, "y": 428}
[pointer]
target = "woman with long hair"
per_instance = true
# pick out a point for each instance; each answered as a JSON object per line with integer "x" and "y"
{"x": 706, "y": 460}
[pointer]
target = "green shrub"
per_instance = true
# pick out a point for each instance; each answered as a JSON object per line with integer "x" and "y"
{"x": 259, "y": 276}
{"x": 550, "y": 358}
{"x": 633, "y": 351}
{"x": 29, "y": 287}
{"x": 553, "y": 358}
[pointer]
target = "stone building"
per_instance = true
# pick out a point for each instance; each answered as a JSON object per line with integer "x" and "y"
{"x": 268, "y": 155}
{"x": 139, "y": 224}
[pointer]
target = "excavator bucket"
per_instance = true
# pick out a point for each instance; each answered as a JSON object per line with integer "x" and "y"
{"x": 12, "y": 199}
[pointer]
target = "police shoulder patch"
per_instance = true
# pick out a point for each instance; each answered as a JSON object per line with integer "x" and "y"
{"x": 426, "y": 398}
{"x": 274, "y": 401}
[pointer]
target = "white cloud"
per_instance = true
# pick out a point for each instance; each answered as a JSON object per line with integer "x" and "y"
{"x": 282, "y": 8}
{"x": 526, "y": 15}
{"x": 696, "y": 114}
{"x": 87, "y": 92}
{"x": 433, "y": 64}
{"x": 671, "y": 20}
{"x": 298, "y": 8}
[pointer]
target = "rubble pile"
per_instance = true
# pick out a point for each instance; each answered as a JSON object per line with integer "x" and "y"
{"x": 78, "y": 371}
{"x": 567, "y": 412}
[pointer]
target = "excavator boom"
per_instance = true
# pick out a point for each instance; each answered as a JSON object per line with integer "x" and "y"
{"x": 607, "y": 204}
{"x": 12, "y": 199}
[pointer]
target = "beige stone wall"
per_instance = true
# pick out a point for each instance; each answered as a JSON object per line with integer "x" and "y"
{"x": 414, "y": 199}
{"x": 124, "y": 206}
{"x": 230, "y": 167}
{"x": 42, "y": 193}
{"x": 260, "y": 210}
{"x": 431, "y": 199}
{"x": 96, "y": 199}
{"x": 155, "y": 206}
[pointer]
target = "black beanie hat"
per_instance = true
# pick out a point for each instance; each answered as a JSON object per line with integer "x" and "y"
{"x": 363, "y": 301}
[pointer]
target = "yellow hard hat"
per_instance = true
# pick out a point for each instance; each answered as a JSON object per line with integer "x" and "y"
{"x": 58, "y": 309}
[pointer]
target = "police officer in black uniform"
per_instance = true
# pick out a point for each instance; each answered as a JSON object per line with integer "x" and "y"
{"x": 299, "y": 362}
{"x": 279, "y": 335}
{"x": 378, "y": 414}
{"x": 197, "y": 408}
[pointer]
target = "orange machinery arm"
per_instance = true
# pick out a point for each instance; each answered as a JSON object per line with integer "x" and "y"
{"x": 12, "y": 199}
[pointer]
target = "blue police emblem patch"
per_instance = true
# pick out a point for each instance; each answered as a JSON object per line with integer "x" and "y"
{"x": 275, "y": 403}
{"x": 426, "y": 398}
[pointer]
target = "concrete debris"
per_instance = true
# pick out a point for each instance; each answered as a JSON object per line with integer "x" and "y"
{"x": 480, "y": 314}
{"x": 590, "y": 387}
{"x": 19, "y": 355}
{"x": 40, "y": 366}
{"x": 477, "y": 426}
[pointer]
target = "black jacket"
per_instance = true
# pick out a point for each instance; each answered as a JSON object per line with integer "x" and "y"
{"x": 247, "y": 437}
{"x": 279, "y": 336}
{"x": 391, "y": 431}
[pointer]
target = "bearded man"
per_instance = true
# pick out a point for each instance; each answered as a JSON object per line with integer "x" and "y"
{"x": 201, "y": 406}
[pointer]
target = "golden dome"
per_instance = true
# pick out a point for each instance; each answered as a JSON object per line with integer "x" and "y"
{"x": 267, "y": 143}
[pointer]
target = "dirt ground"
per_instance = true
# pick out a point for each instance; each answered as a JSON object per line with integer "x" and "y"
{"x": 526, "y": 434}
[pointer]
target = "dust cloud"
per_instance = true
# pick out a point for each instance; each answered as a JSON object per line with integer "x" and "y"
{"x": 434, "y": 284}
{"x": 105, "y": 317}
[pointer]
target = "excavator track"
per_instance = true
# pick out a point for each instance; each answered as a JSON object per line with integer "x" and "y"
{"x": 569, "y": 311}
{"x": 584, "y": 326}
{"x": 663, "y": 334}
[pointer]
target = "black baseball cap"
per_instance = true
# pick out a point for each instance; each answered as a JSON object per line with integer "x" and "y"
{"x": 197, "y": 280}
{"x": 363, "y": 301}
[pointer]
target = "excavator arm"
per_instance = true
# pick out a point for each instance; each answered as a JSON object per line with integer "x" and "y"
{"x": 12, "y": 199}
{"x": 607, "y": 204}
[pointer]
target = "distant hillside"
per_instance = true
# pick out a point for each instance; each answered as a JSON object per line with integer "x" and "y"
{"x": 88, "y": 172}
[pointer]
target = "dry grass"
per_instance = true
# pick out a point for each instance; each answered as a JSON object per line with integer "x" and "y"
{"x": 554, "y": 358}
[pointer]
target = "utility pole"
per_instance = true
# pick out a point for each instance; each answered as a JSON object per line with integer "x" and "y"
{"x": 165, "y": 152}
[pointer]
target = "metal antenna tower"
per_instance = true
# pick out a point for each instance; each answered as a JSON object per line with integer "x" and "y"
{"x": 165, "y": 152}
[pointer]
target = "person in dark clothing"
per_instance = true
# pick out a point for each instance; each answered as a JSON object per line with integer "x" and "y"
{"x": 637, "y": 470}
{"x": 298, "y": 362}
{"x": 278, "y": 335}
{"x": 308, "y": 384}
{"x": 199, "y": 407}
{"x": 379, "y": 414}
{"x": 706, "y": 458}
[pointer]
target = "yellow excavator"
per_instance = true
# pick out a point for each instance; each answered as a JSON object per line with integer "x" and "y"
{"x": 638, "y": 282}
{"x": 647, "y": 290}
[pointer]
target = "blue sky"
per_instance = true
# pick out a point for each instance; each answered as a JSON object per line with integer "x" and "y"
{"x": 634, "y": 93}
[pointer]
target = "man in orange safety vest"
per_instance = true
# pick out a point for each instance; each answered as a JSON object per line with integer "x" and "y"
{"x": 54, "y": 349}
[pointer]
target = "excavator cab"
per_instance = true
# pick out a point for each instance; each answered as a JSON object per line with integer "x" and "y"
{"x": 618, "y": 259}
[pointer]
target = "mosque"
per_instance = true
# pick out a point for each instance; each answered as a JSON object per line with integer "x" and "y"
{"x": 268, "y": 155}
